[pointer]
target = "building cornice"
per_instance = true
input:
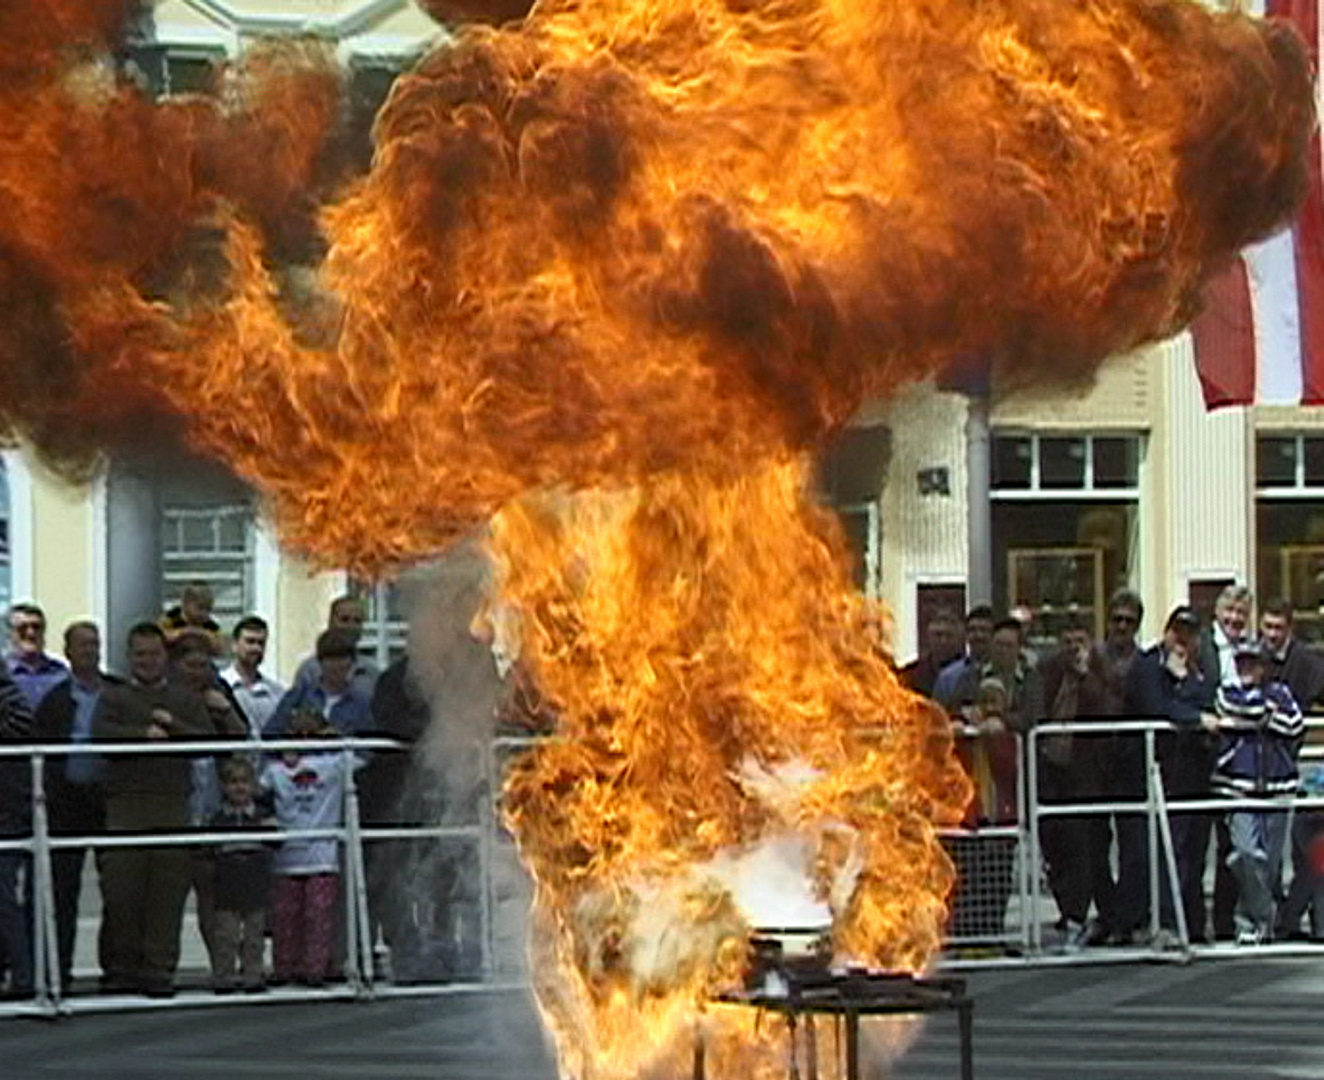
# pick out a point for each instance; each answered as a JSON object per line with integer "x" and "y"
{"x": 357, "y": 20}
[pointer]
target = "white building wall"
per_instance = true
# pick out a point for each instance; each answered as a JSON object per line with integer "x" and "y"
{"x": 924, "y": 536}
{"x": 1208, "y": 504}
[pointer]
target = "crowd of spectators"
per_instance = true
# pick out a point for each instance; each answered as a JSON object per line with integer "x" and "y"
{"x": 184, "y": 680}
{"x": 1232, "y": 705}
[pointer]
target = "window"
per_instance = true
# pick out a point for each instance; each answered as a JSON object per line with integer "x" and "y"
{"x": 172, "y": 70}
{"x": 1012, "y": 463}
{"x": 1084, "y": 464}
{"x": 190, "y": 73}
{"x": 1289, "y": 527}
{"x": 212, "y": 544}
{"x": 863, "y": 528}
{"x": 1290, "y": 464}
{"x": 851, "y": 475}
{"x": 385, "y": 629}
{"x": 1116, "y": 462}
{"x": 1065, "y": 525}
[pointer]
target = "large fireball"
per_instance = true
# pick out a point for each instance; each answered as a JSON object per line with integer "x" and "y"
{"x": 615, "y": 271}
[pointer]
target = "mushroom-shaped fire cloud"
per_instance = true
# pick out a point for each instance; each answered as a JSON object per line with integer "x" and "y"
{"x": 614, "y": 270}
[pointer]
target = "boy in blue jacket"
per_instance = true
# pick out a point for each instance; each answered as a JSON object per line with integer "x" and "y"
{"x": 1260, "y": 728}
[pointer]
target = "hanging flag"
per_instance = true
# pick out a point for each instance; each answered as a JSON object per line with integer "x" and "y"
{"x": 1260, "y": 339}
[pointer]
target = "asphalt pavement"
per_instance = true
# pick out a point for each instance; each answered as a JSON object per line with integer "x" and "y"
{"x": 1254, "y": 1019}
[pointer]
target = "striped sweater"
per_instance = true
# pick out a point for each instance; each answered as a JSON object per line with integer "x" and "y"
{"x": 1260, "y": 732}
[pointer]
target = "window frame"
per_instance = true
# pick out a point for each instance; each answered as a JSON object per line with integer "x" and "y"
{"x": 1036, "y": 492}
{"x": 1299, "y": 489}
{"x": 384, "y": 639}
{"x": 872, "y": 513}
{"x": 216, "y": 56}
{"x": 177, "y": 513}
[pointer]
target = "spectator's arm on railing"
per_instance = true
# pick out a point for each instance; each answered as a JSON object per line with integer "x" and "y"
{"x": 1188, "y": 704}
{"x": 1285, "y": 717}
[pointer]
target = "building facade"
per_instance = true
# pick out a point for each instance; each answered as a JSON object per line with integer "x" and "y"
{"x": 1132, "y": 484}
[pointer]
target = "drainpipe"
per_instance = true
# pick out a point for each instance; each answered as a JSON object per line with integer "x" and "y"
{"x": 979, "y": 511}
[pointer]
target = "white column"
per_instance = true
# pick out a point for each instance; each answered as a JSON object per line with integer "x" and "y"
{"x": 979, "y": 506}
{"x": 266, "y": 583}
{"x": 1209, "y": 483}
{"x": 21, "y": 529}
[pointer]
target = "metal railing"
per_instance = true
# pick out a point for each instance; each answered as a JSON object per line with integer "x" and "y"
{"x": 1157, "y": 809}
{"x": 49, "y": 996}
{"x": 1020, "y": 927}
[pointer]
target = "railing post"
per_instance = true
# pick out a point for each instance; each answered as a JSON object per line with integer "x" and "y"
{"x": 1152, "y": 776}
{"x": 358, "y": 926}
{"x": 41, "y": 897}
{"x": 1028, "y": 778}
{"x": 1170, "y": 862}
{"x": 486, "y": 828}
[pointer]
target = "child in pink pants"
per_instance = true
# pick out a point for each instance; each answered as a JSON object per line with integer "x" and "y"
{"x": 308, "y": 791}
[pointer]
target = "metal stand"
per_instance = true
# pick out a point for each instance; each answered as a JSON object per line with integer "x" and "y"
{"x": 848, "y": 997}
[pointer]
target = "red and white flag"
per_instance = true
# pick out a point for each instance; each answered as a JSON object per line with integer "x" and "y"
{"x": 1260, "y": 338}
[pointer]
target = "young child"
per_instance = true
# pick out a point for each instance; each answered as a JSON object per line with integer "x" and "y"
{"x": 308, "y": 791}
{"x": 242, "y": 882}
{"x": 1260, "y": 729}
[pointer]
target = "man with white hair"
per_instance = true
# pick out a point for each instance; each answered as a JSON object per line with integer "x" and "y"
{"x": 1231, "y": 627}
{"x": 1229, "y": 631}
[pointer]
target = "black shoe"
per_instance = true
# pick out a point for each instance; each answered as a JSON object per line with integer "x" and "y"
{"x": 255, "y": 988}
{"x": 158, "y": 991}
{"x": 225, "y": 986}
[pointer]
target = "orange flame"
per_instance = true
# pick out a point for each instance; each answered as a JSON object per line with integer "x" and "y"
{"x": 645, "y": 254}
{"x": 625, "y": 238}
{"x": 690, "y": 678}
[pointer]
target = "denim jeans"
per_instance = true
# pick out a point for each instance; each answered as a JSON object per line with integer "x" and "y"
{"x": 1256, "y": 861}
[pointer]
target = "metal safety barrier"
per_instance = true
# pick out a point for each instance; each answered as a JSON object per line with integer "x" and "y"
{"x": 1007, "y": 918}
{"x": 361, "y": 981}
{"x": 1157, "y": 810}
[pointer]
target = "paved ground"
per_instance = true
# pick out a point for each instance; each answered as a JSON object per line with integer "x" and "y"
{"x": 1255, "y": 1019}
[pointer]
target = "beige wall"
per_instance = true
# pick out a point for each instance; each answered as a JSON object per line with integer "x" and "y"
{"x": 924, "y": 537}
{"x": 302, "y": 599}
{"x": 62, "y": 541}
{"x": 1122, "y": 398}
{"x": 1196, "y": 481}
{"x": 361, "y": 27}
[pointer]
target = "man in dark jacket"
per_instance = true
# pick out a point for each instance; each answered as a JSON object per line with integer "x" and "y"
{"x": 399, "y": 711}
{"x": 75, "y": 795}
{"x": 1075, "y": 768}
{"x": 1287, "y": 660}
{"x": 945, "y": 642}
{"x": 145, "y": 887}
{"x": 1290, "y": 661}
{"x": 15, "y": 822}
{"x": 1165, "y": 683}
